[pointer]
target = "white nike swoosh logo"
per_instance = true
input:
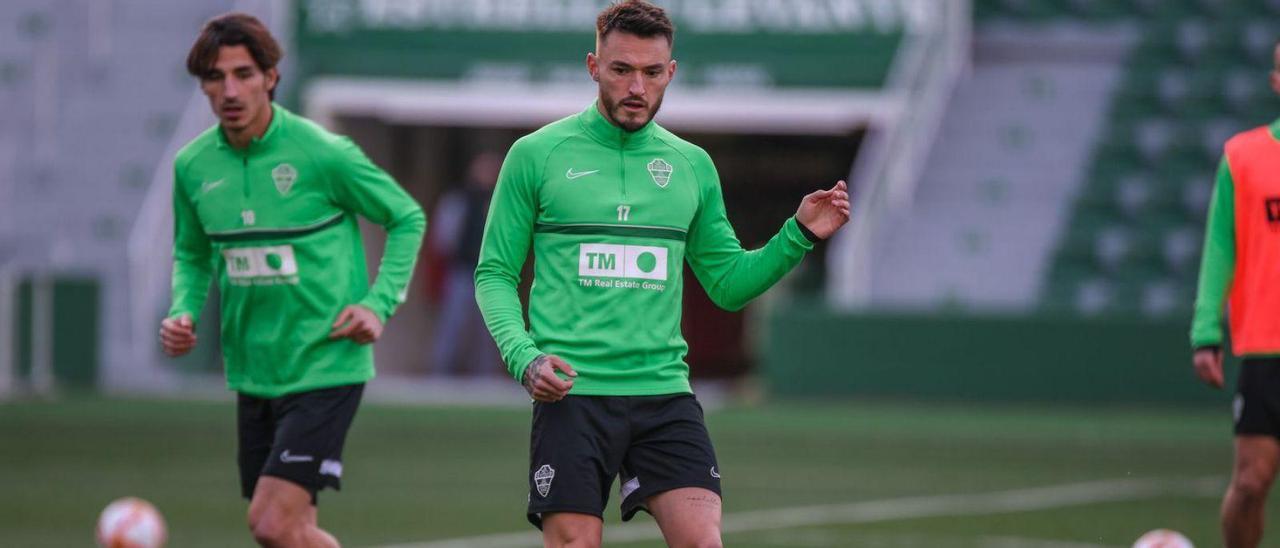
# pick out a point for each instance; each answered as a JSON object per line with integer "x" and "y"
{"x": 570, "y": 174}
{"x": 210, "y": 185}
{"x": 286, "y": 457}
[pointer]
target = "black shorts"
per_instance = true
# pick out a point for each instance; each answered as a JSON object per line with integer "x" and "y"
{"x": 297, "y": 437}
{"x": 579, "y": 444}
{"x": 1256, "y": 408}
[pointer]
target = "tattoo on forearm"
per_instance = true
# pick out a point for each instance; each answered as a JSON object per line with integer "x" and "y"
{"x": 532, "y": 372}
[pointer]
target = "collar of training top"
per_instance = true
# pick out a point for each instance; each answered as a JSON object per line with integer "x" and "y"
{"x": 278, "y": 114}
{"x": 604, "y": 131}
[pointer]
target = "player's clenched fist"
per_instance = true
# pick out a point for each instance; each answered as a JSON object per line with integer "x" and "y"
{"x": 177, "y": 335}
{"x": 542, "y": 382}
{"x": 357, "y": 323}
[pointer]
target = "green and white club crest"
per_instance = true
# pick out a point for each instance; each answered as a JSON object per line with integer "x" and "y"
{"x": 660, "y": 170}
{"x": 284, "y": 176}
{"x": 542, "y": 479}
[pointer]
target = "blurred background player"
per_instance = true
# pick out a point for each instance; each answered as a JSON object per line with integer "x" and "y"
{"x": 612, "y": 205}
{"x": 461, "y": 343}
{"x": 267, "y": 202}
{"x": 1240, "y": 267}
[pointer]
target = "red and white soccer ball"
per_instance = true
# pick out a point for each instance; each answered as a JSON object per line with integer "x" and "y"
{"x": 1163, "y": 538}
{"x": 131, "y": 523}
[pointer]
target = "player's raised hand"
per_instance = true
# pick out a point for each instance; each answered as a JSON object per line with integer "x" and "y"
{"x": 177, "y": 335}
{"x": 542, "y": 382}
{"x": 357, "y": 323}
{"x": 825, "y": 211}
{"x": 1208, "y": 365}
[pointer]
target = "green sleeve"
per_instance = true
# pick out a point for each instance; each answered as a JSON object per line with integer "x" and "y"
{"x": 508, "y": 233}
{"x": 192, "y": 256}
{"x": 364, "y": 188}
{"x": 731, "y": 275}
{"x": 1217, "y": 264}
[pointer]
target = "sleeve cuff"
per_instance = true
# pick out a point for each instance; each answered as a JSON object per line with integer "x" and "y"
{"x": 383, "y": 315}
{"x": 174, "y": 313}
{"x": 808, "y": 234}
{"x": 523, "y": 360}
{"x": 798, "y": 234}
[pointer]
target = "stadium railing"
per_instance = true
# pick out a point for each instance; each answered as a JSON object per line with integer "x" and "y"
{"x": 885, "y": 172}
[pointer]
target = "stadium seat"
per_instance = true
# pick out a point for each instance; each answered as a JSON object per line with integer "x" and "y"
{"x": 1198, "y": 76}
{"x": 1181, "y": 249}
{"x": 1192, "y": 40}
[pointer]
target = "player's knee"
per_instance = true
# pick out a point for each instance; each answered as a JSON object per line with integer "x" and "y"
{"x": 706, "y": 539}
{"x": 571, "y": 539}
{"x": 1251, "y": 487}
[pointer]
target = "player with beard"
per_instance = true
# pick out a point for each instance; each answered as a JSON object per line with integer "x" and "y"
{"x": 612, "y": 205}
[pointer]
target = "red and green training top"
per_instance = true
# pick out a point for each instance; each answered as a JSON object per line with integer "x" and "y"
{"x": 1241, "y": 260}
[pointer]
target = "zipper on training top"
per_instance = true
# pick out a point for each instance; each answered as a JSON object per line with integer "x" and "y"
{"x": 622, "y": 158}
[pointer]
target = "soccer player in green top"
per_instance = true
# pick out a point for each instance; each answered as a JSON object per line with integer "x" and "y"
{"x": 613, "y": 205}
{"x": 266, "y": 202}
{"x": 1238, "y": 273}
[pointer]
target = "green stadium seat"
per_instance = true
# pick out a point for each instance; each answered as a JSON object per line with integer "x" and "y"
{"x": 1198, "y": 76}
{"x": 1196, "y": 192}
{"x": 1181, "y": 248}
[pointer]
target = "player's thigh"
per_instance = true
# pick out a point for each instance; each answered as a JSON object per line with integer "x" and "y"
{"x": 688, "y": 516}
{"x": 1256, "y": 460}
{"x": 255, "y": 431}
{"x": 571, "y": 529}
{"x": 1257, "y": 424}
{"x": 576, "y": 449}
{"x": 310, "y": 436}
{"x": 280, "y": 503}
{"x": 670, "y": 449}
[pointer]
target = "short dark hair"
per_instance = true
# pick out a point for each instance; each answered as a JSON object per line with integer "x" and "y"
{"x": 233, "y": 29}
{"x": 635, "y": 17}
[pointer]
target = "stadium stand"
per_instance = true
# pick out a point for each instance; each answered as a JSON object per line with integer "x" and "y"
{"x": 1197, "y": 76}
{"x": 93, "y": 92}
{"x": 1110, "y": 214}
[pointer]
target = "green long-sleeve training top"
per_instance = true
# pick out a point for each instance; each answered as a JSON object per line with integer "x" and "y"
{"x": 611, "y": 216}
{"x": 1218, "y": 261}
{"x": 276, "y": 224}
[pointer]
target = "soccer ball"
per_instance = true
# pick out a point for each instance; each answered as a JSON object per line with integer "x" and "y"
{"x": 131, "y": 523}
{"x": 1162, "y": 538}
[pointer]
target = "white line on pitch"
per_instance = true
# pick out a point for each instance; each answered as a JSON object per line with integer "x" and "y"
{"x": 1016, "y": 500}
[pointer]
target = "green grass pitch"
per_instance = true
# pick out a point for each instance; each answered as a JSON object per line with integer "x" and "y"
{"x": 418, "y": 474}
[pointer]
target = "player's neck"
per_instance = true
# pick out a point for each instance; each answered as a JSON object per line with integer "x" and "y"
{"x": 241, "y": 138}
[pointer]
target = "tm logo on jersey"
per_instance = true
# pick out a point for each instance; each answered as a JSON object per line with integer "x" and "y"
{"x": 628, "y": 262}
{"x": 272, "y": 265}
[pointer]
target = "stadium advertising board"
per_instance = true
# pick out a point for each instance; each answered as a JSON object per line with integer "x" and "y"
{"x": 768, "y": 44}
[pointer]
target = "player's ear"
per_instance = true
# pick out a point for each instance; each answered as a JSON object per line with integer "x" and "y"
{"x": 593, "y": 66}
{"x": 272, "y": 76}
{"x": 671, "y": 69}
